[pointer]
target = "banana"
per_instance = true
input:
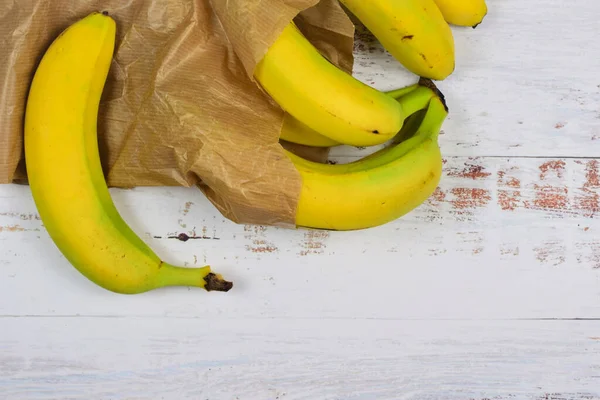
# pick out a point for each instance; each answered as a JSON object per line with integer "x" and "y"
{"x": 377, "y": 189}
{"x": 463, "y": 12}
{"x": 323, "y": 97}
{"x": 65, "y": 173}
{"x": 295, "y": 131}
{"x": 414, "y": 32}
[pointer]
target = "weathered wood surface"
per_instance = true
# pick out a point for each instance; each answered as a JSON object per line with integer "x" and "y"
{"x": 298, "y": 358}
{"x": 489, "y": 290}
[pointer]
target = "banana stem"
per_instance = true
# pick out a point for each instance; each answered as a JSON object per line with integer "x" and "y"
{"x": 171, "y": 275}
{"x": 416, "y": 100}
{"x": 397, "y": 93}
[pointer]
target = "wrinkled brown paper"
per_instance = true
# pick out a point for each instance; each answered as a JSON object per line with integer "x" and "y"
{"x": 180, "y": 107}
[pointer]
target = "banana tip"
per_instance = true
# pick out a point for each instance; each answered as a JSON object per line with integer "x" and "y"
{"x": 428, "y": 83}
{"x": 217, "y": 283}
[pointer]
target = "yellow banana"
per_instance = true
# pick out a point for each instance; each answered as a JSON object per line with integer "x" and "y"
{"x": 295, "y": 131}
{"x": 65, "y": 173}
{"x": 412, "y": 31}
{"x": 377, "y": 189}
{"x": 323, "y": 97}
{"x": 400, "y": 145}
{"x": 463, "y": 12}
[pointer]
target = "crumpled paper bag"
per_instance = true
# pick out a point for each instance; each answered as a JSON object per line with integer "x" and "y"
{"x": 180, "y": 106}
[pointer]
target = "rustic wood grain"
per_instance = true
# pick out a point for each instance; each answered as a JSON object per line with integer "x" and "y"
{"x": 498, "y": 239}
{"x": 489, "y": 290}
{"x": 235, "y": 357}
{"x": 526, "y": 81}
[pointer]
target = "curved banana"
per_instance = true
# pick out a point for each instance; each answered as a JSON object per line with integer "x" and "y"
{"x": 65, "y": 173}
{"x": 323, "y": 97}
{"x": 295, "y": 131}
{"x": 411, "y": 98}
{"x": 463, "y": 12}
{"x": 378, "y": 189}
{"x": 412, "y": 31}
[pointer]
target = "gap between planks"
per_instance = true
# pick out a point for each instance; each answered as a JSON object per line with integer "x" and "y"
{"x": 329, "y": 318}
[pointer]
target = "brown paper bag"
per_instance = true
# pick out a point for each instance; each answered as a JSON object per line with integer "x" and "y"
{"x": 180, "y": 107}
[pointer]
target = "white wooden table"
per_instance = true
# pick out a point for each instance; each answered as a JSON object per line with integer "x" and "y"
{"x": 490, "y": 290}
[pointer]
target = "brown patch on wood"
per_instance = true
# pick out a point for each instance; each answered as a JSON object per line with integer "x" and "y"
{"x": 557, "y": 166}
{"x": 466, "y": 198}
{"x": 434, "y": 201}
{"x": 589, "y": 203}
{"x": 549, "y": 197}
{"x": 262, "y": 249}
{"x": 509, "y": 250}
{"x": 437, "y": 197}
{"x": 513, "y": 182}
{"x": 594, "y": 257}
{"x": 314, "y": 242}
{"x": 592, "y": 174}
{"x": 186, "y": 208}
{"x": 471, "y": 241}
{"x": 261, "y": 246}
{"x": 589, "y": 253}
{"x": 257, "y": 234}
{"x": 551, "y": 252}
{"x": 470, "y": 171}
{"x": 508, "y": 201}
{"x": 509, "y": 198}
{"x": 21, "y": 216}
{"x": 12, "y": 228}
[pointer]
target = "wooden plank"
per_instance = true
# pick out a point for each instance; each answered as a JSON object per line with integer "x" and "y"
{"x": 526, "y": 83}
{"x": 288, "y": 358}
{"x": 501, "y": 238}
{"x": 489, "y": 290}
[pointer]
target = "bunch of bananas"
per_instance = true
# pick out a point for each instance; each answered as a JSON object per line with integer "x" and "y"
{"x": 325, "y": 106}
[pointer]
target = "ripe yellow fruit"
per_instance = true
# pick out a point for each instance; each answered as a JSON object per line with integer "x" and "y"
{"x": 413, "y": 31}
{"x": 65, "y": 173}
{"x": 463, "y": 12}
